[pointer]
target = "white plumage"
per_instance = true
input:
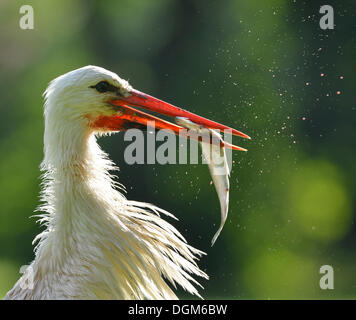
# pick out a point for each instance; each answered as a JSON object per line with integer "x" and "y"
{"x": 97, "y": 244}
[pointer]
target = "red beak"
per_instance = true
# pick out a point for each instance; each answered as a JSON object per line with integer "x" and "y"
{"x": 130, "y": 117}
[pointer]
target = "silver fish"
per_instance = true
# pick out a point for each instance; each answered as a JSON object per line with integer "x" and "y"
{"x": 215, "y": 156}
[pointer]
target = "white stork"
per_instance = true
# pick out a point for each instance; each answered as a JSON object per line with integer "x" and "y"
{"x": 97, "y": 244}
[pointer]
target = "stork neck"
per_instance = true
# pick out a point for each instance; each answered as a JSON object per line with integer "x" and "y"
{"x": 76, "y": 195}
{"x": 65, "y": 149}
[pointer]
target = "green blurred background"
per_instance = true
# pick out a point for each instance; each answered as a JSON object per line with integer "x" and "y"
{"x": 264, "y": 67}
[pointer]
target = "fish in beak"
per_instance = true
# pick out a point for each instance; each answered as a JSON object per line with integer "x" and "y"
{"x": 129, "y": 117}
{"x": 215, "y": 157}
{"x": 213, "y": 148}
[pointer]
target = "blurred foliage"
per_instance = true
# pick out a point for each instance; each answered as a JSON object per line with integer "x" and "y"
{"x": 263, "y": 67}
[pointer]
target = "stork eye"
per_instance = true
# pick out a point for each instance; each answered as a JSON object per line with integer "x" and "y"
{"x": 102, "y": 86}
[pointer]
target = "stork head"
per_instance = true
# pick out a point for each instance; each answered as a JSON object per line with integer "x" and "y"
{"x": 98, "y": 100}
{"x": 84, "y": 94}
